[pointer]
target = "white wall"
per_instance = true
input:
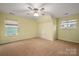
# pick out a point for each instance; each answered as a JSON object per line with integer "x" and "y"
{"x": 47, "y": 28}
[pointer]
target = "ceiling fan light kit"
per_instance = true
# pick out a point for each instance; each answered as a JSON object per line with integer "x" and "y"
{"x": 36, "y": 14}
{"x": 36, "y": 11}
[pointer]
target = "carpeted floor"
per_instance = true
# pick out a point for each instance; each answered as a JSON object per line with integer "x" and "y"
{"x": 39, "y": 47}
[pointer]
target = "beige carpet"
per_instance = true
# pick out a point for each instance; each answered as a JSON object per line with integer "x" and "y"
{"x": 39, "y": 47}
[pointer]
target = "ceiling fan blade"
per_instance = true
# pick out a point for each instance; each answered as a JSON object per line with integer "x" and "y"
{"x": 30, "y": 8}
{"x": 42, "y": 9}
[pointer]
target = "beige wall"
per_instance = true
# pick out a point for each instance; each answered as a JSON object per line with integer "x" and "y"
{"x": 27, "y": 28}
{"x": 69, "y": 34}
{"x": 44, "y": 27}
{"x": 47, "y": 27}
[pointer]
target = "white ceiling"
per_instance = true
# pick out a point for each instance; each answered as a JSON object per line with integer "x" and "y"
{"x": 53, "y": 9}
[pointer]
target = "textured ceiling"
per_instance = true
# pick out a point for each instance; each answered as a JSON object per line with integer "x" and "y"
{"x": 53, "y": 9}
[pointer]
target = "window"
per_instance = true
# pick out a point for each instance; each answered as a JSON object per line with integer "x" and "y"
{"x": 11, "y": 28}
{"x": 68, "y": 24}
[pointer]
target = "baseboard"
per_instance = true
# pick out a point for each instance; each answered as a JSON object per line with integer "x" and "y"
{"x": 17, "y": 41}
{"x": 46, "y": 39}
{"x": 23, "y": 40}
{"x": 68, "y": 41}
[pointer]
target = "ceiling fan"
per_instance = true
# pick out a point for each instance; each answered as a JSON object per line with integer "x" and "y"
{"x": 31, "y": 9}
